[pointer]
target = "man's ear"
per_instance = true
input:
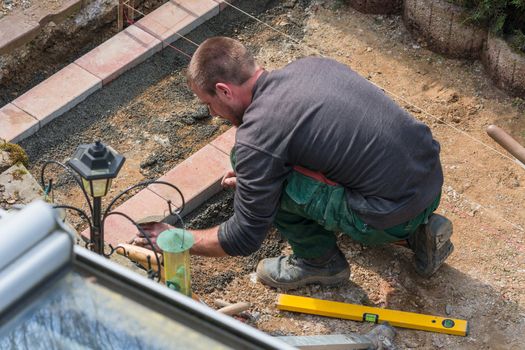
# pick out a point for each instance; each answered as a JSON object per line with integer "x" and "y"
{"x": 223, "y": 90}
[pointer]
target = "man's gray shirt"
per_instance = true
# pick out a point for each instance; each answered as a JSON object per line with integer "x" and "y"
{"x": 321, "y": 115}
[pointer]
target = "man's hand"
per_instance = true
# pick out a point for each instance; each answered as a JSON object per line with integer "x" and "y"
{"x": 229, "y": 180}
{"x": 153, "y": 230}
{"x": 206, "y": 242}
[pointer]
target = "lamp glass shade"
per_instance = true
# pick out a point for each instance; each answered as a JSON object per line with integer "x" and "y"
{"x": 96, "y": 164}
{"x": 97, "y": 188}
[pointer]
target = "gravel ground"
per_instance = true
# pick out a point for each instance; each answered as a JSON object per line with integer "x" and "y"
{"x": 483, "y": 280}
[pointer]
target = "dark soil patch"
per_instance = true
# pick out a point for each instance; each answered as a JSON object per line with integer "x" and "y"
{"x": 214, "y": 212}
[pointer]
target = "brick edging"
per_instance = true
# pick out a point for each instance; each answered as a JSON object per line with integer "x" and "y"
{"x": 77, "y": 81}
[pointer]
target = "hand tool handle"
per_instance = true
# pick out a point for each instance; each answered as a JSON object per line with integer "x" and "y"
{"x": 234, "y": 309}
{"x": 138, "y": 254}
{"x": 506, "y": 141}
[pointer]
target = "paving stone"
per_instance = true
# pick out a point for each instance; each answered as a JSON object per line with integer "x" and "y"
{"x": 20, "y": 28}
{"x": 177, "y": 18}
{"x": 162, "y": 19}
{"x": 225, "y": 141}
{"x": 15, "y": 124}
{"x": 198, "y": 178}
{"x": 16, "y": 30}
{"x": 58, "y": 94}
{"x": 118, "y": 229}
{"x": 120, "y": 53}
{"x": 58, "y": 15}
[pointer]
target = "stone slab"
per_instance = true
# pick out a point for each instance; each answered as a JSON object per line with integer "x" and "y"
{"x": 58, "y": 15}
{"x": 120, "y": 53}
{"x": 15, "y": 31}
{"x": 225, "y": 141}
{"x": 58, "y": 94}
{"x": 198, "y": 178}
{"x": 15, "y": 124}
{"x": 177, "y": 18}
{"x": 19, "y": 28}
{"x": 162, "y": 19}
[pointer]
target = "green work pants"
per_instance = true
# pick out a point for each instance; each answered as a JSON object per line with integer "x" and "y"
{"x": 310, "y": 212}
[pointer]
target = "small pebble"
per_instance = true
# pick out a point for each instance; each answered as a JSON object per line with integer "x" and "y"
{"x": 253, "y": 277}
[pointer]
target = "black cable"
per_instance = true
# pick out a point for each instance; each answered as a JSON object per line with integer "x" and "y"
{"x": 145, "y": 236}
{"x": 82, "y": 213}
{"x": 70, "y": 172}
{"x": 145, "y": 184}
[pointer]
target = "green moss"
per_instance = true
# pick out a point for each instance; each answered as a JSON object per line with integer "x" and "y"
{"x": 16, "y": 153}
{"x": 18, "y": 174}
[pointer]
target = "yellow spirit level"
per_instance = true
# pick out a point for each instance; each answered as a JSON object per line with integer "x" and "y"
{"x": 372, "y": 314}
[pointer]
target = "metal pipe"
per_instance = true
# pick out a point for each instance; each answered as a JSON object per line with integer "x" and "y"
{"x": 98, "y": 229}
{"x": 506, "y": 141}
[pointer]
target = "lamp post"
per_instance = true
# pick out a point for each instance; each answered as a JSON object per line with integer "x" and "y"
{"x": 97, "y": 165}
{"x": 93, "y": 167}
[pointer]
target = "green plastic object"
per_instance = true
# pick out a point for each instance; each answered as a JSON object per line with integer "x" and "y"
{"x": 175, "y": 244}
{"x": 175, "y": 240}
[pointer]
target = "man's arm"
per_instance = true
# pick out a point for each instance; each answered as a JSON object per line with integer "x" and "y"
{"x": 207, "y": 243}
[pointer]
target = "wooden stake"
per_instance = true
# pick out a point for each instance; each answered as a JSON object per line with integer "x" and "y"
{"x": 131, "y": 10}
{"x": 120, "y": 15}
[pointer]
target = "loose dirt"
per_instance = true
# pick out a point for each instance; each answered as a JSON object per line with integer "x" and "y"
{"x": 27, "y": 6}
{"x": 147, "y": 115}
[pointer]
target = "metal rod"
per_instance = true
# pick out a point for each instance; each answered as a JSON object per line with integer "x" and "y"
{"x": 157, "y": 254}
{"x": 70, "y": 172}
{"x": 145, "y": 184}
{"x": 506, "y": 141}
{"x": 82, "y": 214}
{"x": 98, "y": 229}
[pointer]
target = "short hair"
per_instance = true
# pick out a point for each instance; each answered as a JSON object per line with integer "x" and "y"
{"x": 220, "y": 59}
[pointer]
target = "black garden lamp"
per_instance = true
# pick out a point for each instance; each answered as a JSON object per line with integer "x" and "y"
{"x": 97, "y": 164}
{"x": 93, "y": 167}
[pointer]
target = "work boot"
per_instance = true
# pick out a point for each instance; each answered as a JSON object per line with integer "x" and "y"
{"x": 431, "y": 244}
{"x": 291, "y": 272}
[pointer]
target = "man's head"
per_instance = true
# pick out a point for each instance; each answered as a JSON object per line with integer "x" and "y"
{"x": 221, "y": 73}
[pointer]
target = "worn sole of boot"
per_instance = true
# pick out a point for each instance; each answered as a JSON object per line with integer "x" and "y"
{"x": 440, "y": 258}
{"x": 328, "y": 281}
{"x": 441, "y": 228}
{"x": 436, "y": 240}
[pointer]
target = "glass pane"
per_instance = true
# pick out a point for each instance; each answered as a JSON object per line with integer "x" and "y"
{"x": 99, "y": 187}
{"x": 80, "y": 314}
